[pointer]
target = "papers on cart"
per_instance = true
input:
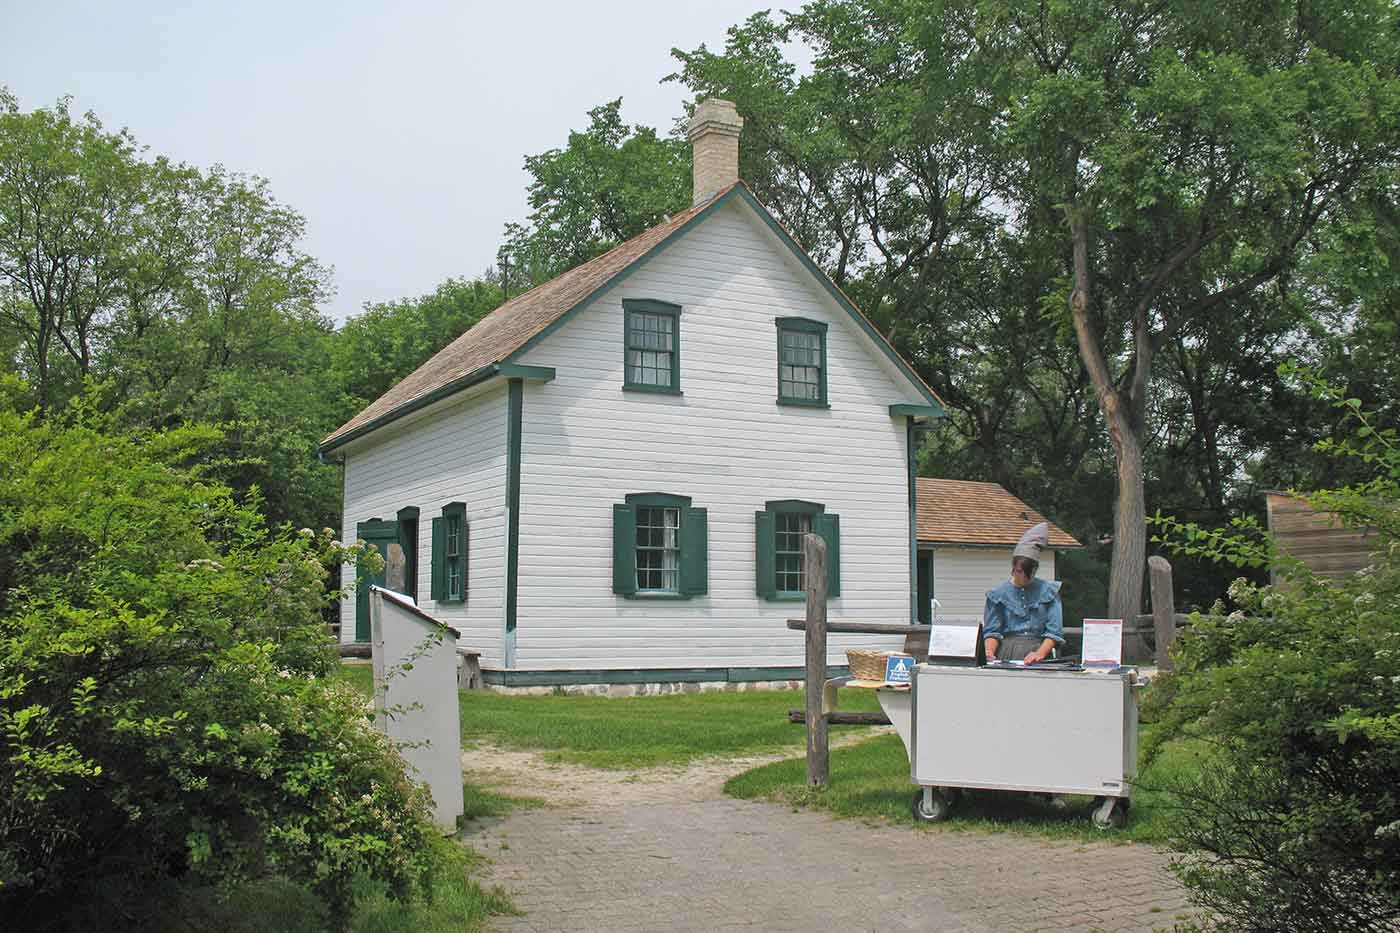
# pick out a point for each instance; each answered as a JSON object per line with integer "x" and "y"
{"x": 1047, "y": 665}
{"x": 1103, "y": 643}
{"x": 958, "y": 645}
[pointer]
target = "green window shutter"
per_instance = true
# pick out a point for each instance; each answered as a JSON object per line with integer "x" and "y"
{"x": 829, "y": 527}
{"x": 466, "y": 553}
{"x": 764, "y": 572}
{"x": 439, "y": 583}
{"x": 624, "y": 550}
{"x": 695, "y": 567}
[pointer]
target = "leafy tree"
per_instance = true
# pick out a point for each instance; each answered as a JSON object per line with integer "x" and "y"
{"x": 185, "y": 292}
{"x": 81, "y": 230}
{"x": 1158, "y": 164}
{"x": 607, "y": 185}
{"x": 1292, "y": 823}
{"x": 1192, "y": 152}
{"x": 892, "y": 184}
{"x": 165, "y": 713}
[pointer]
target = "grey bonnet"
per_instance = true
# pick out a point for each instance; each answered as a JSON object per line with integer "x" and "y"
{"x": 1033, "y": 542}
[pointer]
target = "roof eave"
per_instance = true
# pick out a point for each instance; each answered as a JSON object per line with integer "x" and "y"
{"x": 476, "y": 377}
{"x": 949, "y": 542}
{"x": 922, "y": 413}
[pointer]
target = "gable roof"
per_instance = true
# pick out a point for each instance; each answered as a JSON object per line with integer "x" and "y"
{"x": 515, "y": 326}
{"x": 953, "y": 511}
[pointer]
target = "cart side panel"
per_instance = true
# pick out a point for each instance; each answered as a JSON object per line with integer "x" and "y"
{"x": 1056, "y": 732}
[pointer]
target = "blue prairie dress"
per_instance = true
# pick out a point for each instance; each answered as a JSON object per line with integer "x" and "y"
{"x": 1023, "y": 617}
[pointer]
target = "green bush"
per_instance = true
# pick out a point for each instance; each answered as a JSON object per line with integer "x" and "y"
{"x": 1296, "y": 824}
{"x": 166, "y": 714}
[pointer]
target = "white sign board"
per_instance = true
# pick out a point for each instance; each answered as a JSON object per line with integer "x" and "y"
{"x": 417, "y": 709}
{"x": 953, "y": 641}
{"x": 1103, "y": 643}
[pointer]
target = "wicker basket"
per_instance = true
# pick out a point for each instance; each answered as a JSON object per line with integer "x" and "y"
{"x": 867, "y": 665}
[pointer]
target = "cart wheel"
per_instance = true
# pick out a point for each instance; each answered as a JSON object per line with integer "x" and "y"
{"x": 1110, "y": 812}
{"x": 932, "y": 807}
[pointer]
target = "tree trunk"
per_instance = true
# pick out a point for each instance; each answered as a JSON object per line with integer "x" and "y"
{"x": 1129, "y": 538}
{"x": 1130, "y": 511}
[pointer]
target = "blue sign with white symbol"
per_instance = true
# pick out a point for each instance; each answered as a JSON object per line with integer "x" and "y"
{"x": 899, "y": 668}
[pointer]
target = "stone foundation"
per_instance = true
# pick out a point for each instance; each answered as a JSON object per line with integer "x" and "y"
{"x": 647, "y": 690}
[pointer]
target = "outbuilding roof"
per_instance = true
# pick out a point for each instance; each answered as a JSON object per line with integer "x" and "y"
{"x": 510, "y": 329}
{"x": 955, "y": 511}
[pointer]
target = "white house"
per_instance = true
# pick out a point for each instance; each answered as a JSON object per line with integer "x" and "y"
{"x": 605, "y": 481}
{"x": 967, "y": 531}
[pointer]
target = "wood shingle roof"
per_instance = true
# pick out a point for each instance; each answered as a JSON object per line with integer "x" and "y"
{"x": 954, "y": 511}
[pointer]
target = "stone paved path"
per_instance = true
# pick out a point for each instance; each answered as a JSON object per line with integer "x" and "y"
{"x": 664, "y": 849}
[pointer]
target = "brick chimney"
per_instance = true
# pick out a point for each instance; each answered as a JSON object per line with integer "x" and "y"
{"x": 714, "y": 141}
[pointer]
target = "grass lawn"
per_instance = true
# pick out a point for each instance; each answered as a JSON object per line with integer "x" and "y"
{"x": 641, "y": 732}
{"x": 870, "y": 780}
{"x": 457, "y": 903}
{"x": 361, "y": 677}
{"x": 635, "y": 732}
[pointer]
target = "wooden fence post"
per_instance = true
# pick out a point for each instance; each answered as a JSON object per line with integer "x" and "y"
{"x": 814, "y": 567}
{"x": 1163, "y": 609}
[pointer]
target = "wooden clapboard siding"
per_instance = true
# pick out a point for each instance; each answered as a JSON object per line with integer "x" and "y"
{"x": 1317, "y": 538}
{"x": 726, "y": 443}
{"x": 453, "y": 452}
{"x": 963, "y": 575}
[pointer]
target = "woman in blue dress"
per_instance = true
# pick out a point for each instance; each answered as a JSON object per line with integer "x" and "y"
{"x": 1023, "y": 619}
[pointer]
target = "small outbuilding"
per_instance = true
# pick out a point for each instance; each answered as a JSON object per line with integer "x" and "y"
{"x": 967, "y": 531}
{"x": 1326, "y": 546}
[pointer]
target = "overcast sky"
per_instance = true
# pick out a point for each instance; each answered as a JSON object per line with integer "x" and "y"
{"x": 398, "y": 130}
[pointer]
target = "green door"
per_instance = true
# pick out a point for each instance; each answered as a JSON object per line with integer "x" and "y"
{"x": 925, "y": 565}
{"x": 384, "y": 536}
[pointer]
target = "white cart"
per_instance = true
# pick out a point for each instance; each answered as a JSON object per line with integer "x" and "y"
{"x": 1054, "y": 732}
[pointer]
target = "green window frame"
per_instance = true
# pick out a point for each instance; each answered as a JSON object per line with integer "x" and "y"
{"x": 651, "y": 346}
{"x": 802, "y": 362}
{"x": 779, "y": 573}
{"x": 408, "y": 540}
{"x": 451, "y": 544}
{"x": 660, "y": 547}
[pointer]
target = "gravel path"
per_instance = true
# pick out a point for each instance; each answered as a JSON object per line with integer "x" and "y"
{"x": 665, "y": 849}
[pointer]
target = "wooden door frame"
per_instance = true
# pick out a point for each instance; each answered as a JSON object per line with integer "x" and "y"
{"x": 377, "y": 531}
{"x": 925, "y": 605}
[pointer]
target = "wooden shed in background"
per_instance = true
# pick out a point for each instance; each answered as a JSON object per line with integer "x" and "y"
{"x": 1319, "y": 539}
{"x": 967, "y": 532}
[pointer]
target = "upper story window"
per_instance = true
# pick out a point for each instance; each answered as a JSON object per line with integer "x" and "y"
{"x": 780, "y": 570}
{"x": 660, "y": 547}
{"x": 652, "y": 345}
{"x": 450, "y": 539}
{"x": 801, "y": 362}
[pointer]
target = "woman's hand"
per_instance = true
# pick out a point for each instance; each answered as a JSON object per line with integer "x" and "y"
{"x": 1041, "y": 653}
